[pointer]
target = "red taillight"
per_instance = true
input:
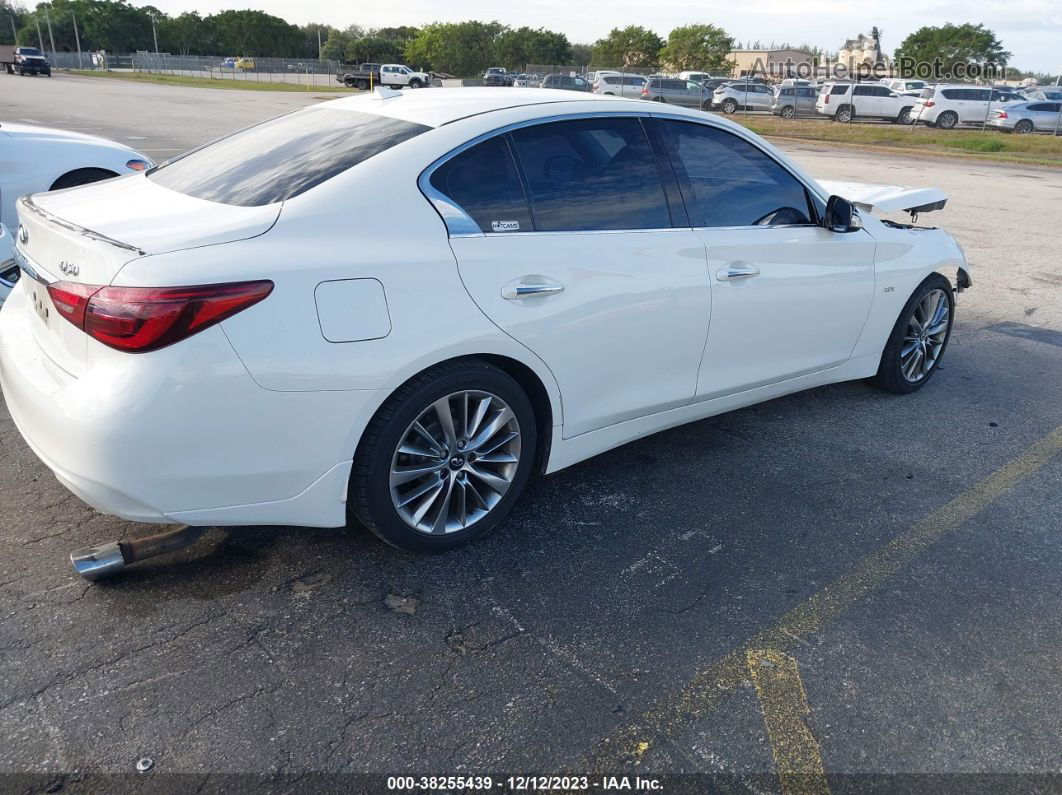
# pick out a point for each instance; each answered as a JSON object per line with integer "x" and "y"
{"x": 137, "y": 165}
{"x": 826, "y": 101}
{"x": 930, "y": 103}
{"x": 140, "y": 319}
{"x": 72, "y": 299}
{"x": 645, "y": 91}
{"x": 1002, "y": 114}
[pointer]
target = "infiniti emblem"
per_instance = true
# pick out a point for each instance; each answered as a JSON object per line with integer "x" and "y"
{"x": 23, "y": 235}
{"x": 68, "y": 268}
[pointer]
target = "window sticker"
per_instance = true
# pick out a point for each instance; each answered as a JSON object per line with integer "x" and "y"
{"x": 505, "y": 226}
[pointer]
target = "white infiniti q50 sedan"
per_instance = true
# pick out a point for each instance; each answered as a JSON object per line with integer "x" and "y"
{"x": 400, "y": 305}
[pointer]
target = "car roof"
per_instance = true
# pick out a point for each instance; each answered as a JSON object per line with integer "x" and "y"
{"x": 438, "y": 106}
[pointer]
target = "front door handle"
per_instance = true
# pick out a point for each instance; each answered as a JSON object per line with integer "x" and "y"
{"x": 514, "y": 292}
{"x": 735, "y": 271}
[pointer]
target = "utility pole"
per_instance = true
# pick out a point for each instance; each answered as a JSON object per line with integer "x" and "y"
{"x": 154, "y": 33}
{"x": 77, "y": 39}
{"x": 51, "y": 38}
{"x": 14, "y": 33}
{"x": 40, "y": 39}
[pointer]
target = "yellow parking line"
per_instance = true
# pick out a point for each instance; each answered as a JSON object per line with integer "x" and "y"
{"x": 704, "y": 691}
{"x": 781, "y": 692}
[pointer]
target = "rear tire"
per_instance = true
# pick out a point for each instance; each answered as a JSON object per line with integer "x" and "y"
{"x": 947, "y": 120}
{"x": 1023, "y": 127}
{"x": 363, "y": 85}
{"x": 788, "y": 112}
{"x": 83, "y": 176}
{"x": 730, "y": 106}
{"x": 931, "y": 308}
{"x": 409, "y": 434}
{"x": 844, "y": 114}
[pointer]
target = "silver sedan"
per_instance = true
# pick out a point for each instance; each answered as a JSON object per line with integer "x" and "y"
{"x": 1027, "y": 117}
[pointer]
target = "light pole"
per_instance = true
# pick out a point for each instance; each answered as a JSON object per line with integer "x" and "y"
{"x": 77, "y": 39}
{"x": 154, "y": 33}
{"x": 51, "y": 38}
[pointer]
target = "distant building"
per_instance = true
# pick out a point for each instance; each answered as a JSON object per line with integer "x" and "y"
{"x": 863, "y": 49}
{"x": 771, "y": 63}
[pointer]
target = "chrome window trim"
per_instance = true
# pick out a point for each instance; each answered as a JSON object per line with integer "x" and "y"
{"x": 460, "y": 224}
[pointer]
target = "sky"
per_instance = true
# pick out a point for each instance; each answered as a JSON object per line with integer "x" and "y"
{"x": 1030, "y": 29}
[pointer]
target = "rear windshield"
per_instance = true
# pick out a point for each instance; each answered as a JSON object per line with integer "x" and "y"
{"x": 284, "y": 157}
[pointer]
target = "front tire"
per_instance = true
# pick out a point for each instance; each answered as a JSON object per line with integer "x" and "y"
{"x": 445, "y": 458}
{"x": 905, "y": 117}
{"x": 919, "y": 338}
{"x": 416, "y": 83}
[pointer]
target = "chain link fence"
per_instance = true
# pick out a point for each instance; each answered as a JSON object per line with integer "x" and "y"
{"x": 308, "y": 72}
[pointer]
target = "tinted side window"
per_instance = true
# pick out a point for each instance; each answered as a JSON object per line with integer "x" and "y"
{"x": 484, "y": 182}
{"x": 979, "y": 94}
{"x": 952, "y": 93}
{"x": 839, "y": 90}
{"x": 634, "y": 81}
{"x": 881, "y": 91}
{"x": 591, "y": 174}
{"x": 863, "y": 91}
{"x": 726, "y": 181}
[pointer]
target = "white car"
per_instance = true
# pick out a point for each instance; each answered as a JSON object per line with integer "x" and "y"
{"x": 947, "y": 106}
{"x": 911, "y": 88}
{"x": 34, "y": 159}
{"x": 844, "y": 102}
{"x": 732, "y": 97}
{"x": 222, "y": 342}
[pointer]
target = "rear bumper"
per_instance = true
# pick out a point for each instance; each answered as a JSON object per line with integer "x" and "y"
{"x": 1001, "y": 124}
{"x": 183, "y": 434}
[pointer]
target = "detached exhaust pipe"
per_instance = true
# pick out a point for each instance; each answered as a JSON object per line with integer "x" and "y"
{"x": 106, "y": 560}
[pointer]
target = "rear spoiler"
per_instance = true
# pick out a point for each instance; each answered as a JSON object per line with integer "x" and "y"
{"x": 889, "y": 198}
{"x": 26, "y": 203}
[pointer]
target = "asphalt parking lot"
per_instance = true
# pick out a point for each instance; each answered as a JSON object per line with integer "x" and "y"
{"x": 840, "y": 582}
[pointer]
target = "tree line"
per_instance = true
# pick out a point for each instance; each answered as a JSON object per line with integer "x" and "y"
{"x": 458, "y": 48}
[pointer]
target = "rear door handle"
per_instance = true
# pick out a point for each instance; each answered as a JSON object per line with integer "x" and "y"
{"x": 515, "y": 292}
{"x": 732, "y": 272}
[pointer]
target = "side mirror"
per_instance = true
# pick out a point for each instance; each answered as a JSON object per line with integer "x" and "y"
{"x": 839, "y": 216}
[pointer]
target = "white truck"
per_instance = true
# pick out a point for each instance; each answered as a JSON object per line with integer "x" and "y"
{"x": 392, "y": 75}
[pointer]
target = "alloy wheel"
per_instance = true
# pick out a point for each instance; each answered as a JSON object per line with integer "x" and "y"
{"x": 927, "y": 330}
{"x": 455, "y": 462}
{"x": 1023, "y": 127}
{"x": 788, "y": 112}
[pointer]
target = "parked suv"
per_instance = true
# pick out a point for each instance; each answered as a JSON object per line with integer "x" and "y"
{"x": 620, "y": 85}
{"x": 946, "y": 106}
{"x": 793, "y": 101}
{"x": 565, "y": 83}
{"x": 677, "y": 92}
{"x": 845, "y": 101}
{"x": 733, "y": 96}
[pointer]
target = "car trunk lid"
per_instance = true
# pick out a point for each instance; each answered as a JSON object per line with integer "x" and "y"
{"x": 87, "y": 235}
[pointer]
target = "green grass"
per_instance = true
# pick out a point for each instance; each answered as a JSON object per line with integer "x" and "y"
{"x": 206, "y": 82}
{"x": 1031, "y": 149}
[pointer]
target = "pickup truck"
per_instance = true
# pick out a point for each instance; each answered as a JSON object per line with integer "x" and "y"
{"x": 24, "y": 61}
{"x": 393, "y": 75}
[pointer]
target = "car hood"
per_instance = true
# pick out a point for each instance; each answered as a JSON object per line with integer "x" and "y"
{"x": 47, "y": 134}
{"x": 888, "y": 198}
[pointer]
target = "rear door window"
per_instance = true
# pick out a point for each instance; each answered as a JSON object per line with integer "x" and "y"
{"x": 283, "y": 157}
{"x": 484, "y": 182}
{"x": 839, "y": 90}
{"x": 726, "y": 181}
{"x": 591, "y": 174}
